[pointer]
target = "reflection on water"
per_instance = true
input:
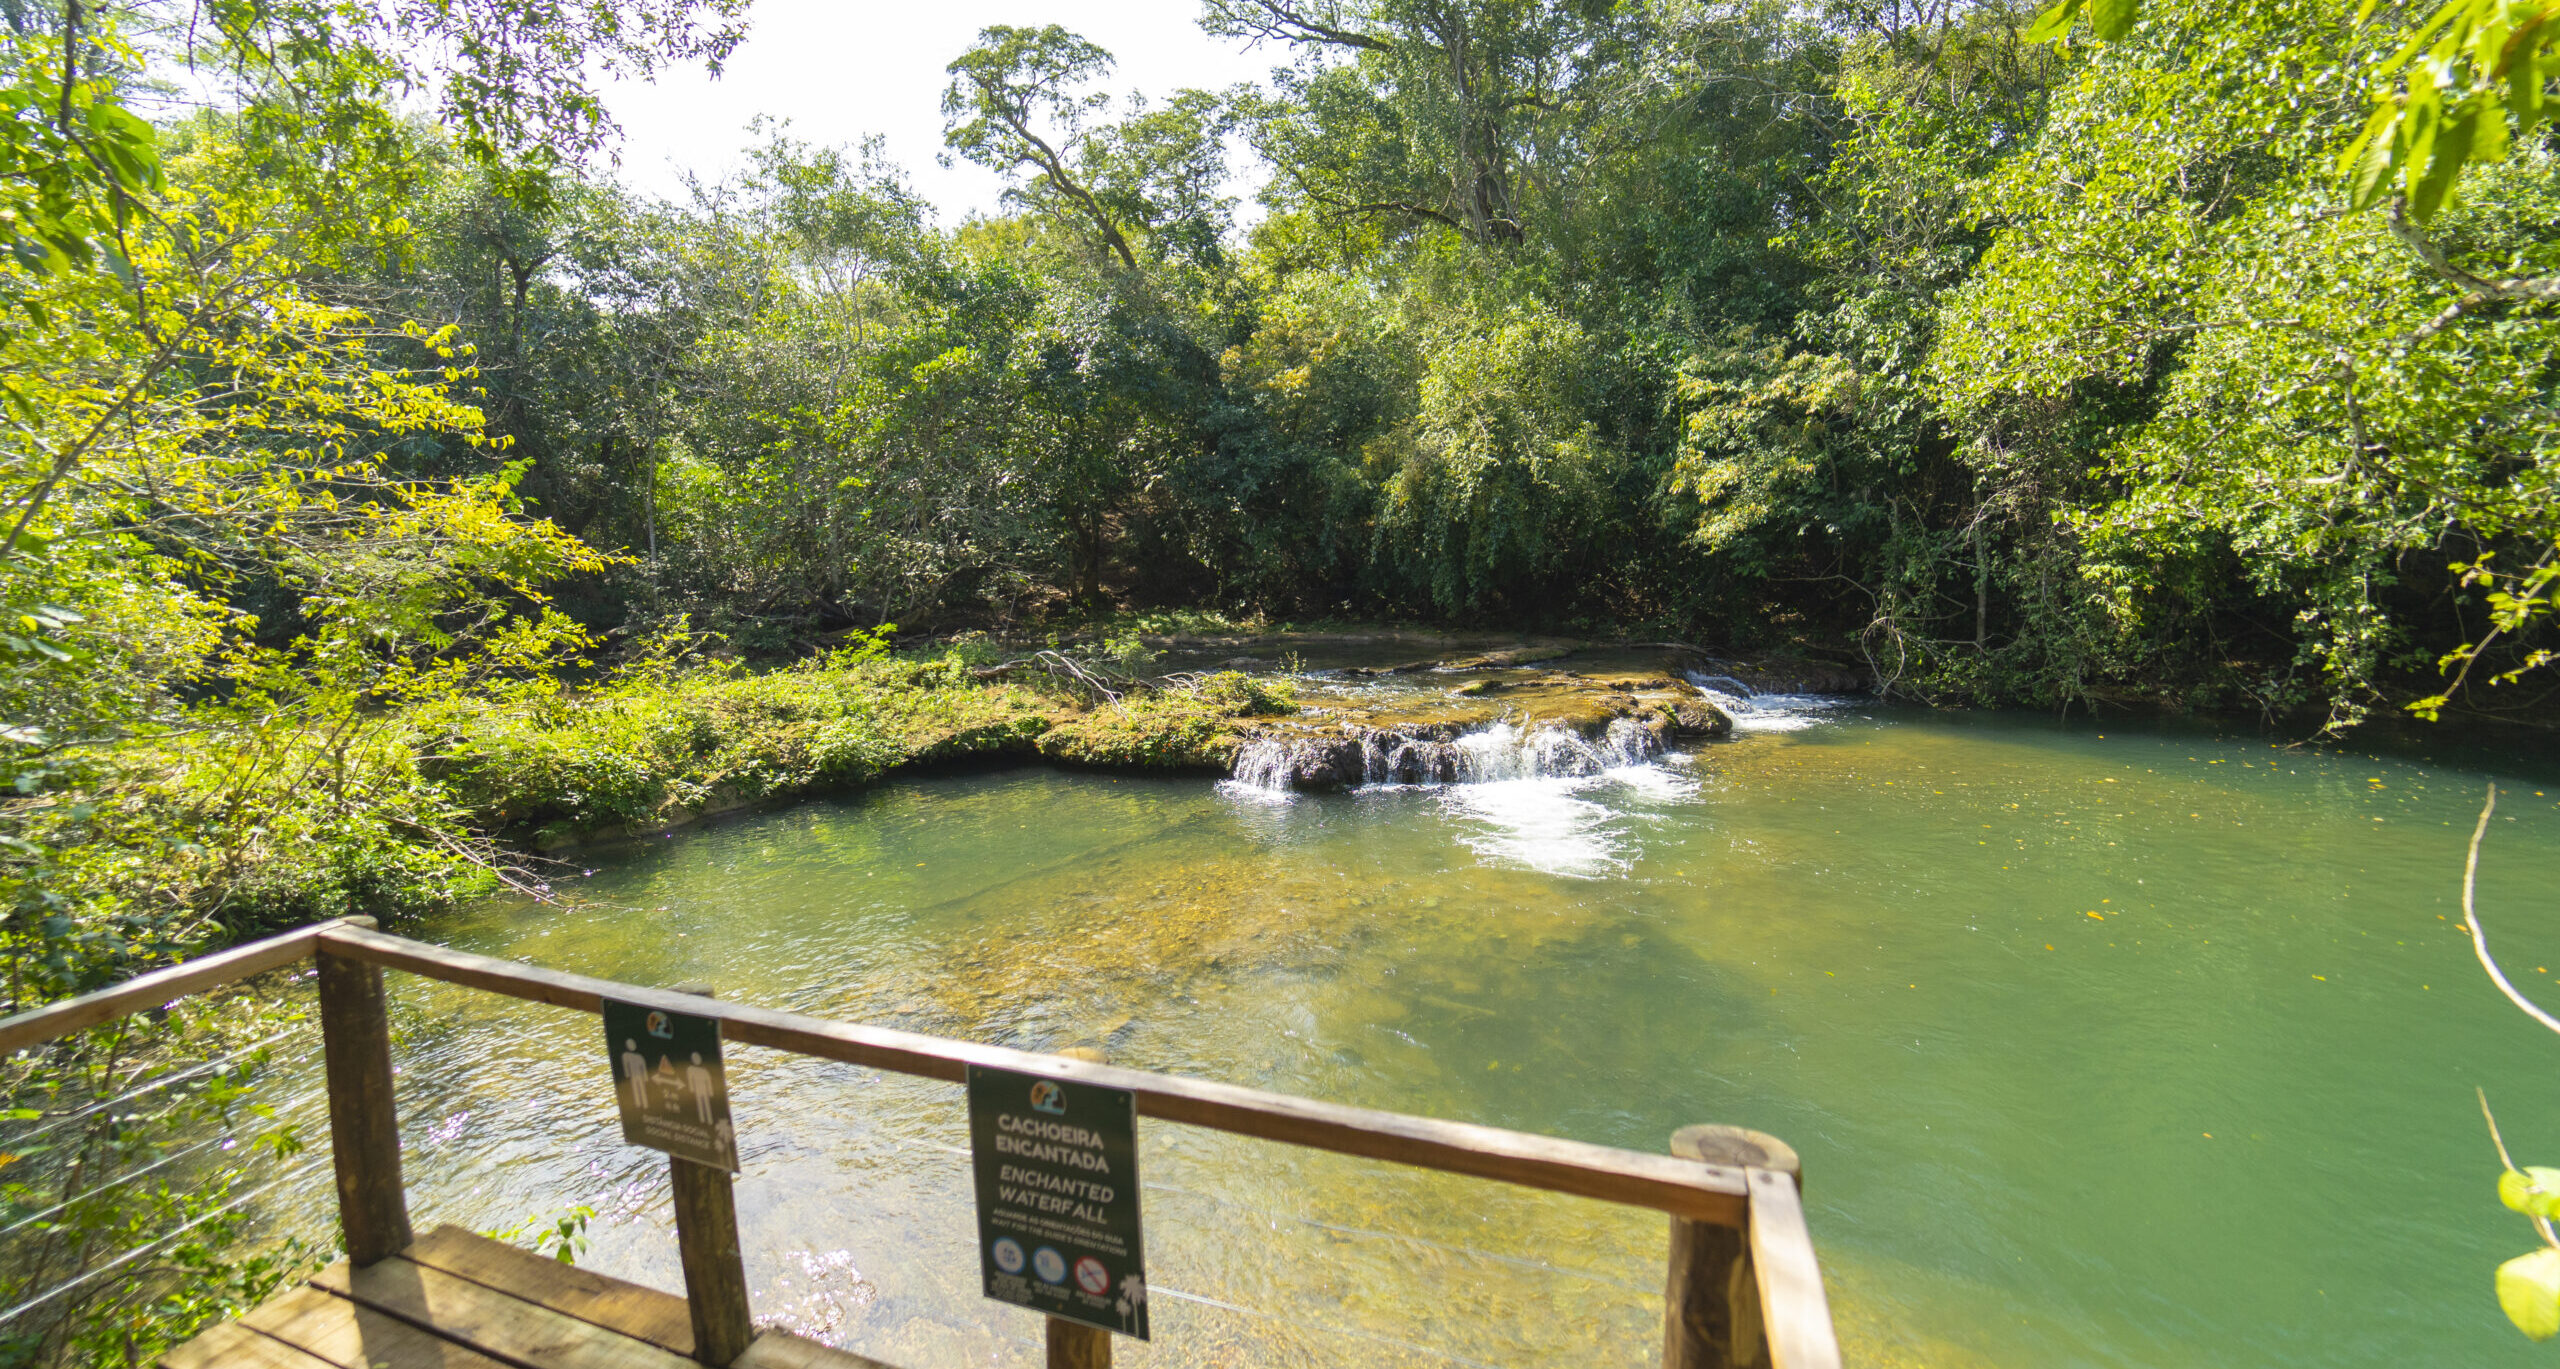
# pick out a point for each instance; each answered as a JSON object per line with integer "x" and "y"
{"x": 2143, "y": 1048}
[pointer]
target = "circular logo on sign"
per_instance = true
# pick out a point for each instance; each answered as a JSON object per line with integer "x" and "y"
{"x": 1049, "y": 1265}
{"x": 1048, "y": 1097}
{"x": 1092, "y": 1277}
{"x": 1008, "y": 1254}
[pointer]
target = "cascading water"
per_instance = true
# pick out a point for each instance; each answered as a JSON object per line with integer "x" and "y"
{"x": 1506, "y": 752}
{"x": 1491, "y": 754}
{"x": 1754, "y": 711}
{"x": 1262, "y": 765}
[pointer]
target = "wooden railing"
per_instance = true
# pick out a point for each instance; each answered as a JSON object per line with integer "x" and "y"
{"x": 1742, "y": 1288}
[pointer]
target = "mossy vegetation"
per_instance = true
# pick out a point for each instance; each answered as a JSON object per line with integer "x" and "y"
{"x": 666, "y": 743}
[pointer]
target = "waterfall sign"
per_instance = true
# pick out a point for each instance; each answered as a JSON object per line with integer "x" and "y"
{"x": 1057, "y": 1170}
{"x": 668, "y": 1079}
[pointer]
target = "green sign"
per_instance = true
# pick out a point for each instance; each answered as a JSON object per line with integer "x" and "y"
{"x": 667, "y": 1075}
{"x": 1057, "y": 1171}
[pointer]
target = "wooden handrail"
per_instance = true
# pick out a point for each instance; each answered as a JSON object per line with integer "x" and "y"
{"x": 1714, "y": 1193}
{"x": 1763, "y": 1203}
{"x": 39, "y": 1025}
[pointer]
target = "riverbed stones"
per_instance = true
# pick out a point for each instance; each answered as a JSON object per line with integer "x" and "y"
{"x": 1325, "y": 763}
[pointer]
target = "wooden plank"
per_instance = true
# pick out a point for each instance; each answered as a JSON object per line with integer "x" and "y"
{"x": 352, "y": 1336}
{"x": 364, "y": 1122}
{"x": 1711, "y": 1301}
{"x": 783, "y": 1350}
{"x": 39, "y": 1025}
{"x": 1795, "y": 1312}
{"x": 646, "y": 1314}
{"x": 1712, "y": 1193}
{"x": 504, "y": 1328}
{"x": 233, "y": 1346}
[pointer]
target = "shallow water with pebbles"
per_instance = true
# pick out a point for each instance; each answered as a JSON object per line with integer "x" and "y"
{"x": 2103, "y": 1045}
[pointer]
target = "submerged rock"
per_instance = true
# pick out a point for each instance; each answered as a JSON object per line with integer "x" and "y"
{"x": 1504, "y": 660}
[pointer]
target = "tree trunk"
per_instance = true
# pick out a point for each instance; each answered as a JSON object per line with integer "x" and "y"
{"x": 1089, "y": 556}
{"x": 1981, "y": 589}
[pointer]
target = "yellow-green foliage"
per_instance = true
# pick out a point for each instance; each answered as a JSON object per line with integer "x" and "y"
{"x": 1171, "y": 731}
{"x": 662, "y": 744}
{"x": 1246, "y": 696}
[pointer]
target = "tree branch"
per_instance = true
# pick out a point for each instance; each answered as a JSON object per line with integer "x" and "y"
{"x": 2477, "y": 291}
{"x": 2480, "y": 938}
{"x": 1286, "y": 23}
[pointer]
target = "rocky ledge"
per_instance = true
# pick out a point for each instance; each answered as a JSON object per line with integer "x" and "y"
{"x": 1557, "y": 723}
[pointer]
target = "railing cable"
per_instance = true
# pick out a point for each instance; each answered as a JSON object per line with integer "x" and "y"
{"x": 141, "y": 1250}
{"x": 164, "y": 1081}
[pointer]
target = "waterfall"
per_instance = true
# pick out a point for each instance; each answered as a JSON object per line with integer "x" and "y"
{"x": 1499, "y": 751}
{"x": 1755, "y": 711}
{"x": 1263, "y": 764}
{"x": 1506, "y": 752}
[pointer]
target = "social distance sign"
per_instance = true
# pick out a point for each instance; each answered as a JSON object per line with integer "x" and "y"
{"x": 669, "y": 1081}
{"x": 1056, "y": 1163}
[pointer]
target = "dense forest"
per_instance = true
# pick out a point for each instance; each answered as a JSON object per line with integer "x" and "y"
{"x": 360, "y": 423}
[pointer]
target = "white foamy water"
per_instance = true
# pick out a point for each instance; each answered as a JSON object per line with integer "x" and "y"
{"x": 1539, "y": 824}
{"x": 1753, "y": 711}
{"x": 1261, "y": 772}
{"x": 1588, "y": 826}
{"x": 1506, "y": 752}
{"x": 1540, "y": 798}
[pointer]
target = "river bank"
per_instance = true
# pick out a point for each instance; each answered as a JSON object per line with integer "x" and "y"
{"x": 661, "y": 748}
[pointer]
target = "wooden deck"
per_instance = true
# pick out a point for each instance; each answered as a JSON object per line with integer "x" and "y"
{"x": 454, "y": 1300}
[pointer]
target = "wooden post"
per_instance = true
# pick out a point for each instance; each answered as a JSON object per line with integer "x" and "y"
{"x": 1711, "y": 1301}
{"x": 364, "y": 1123}
{"x": 715, "y": 1274}
{"x": 1074, "y": 1345}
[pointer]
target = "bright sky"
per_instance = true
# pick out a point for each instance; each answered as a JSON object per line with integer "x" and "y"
{"x": 843, "y": 69}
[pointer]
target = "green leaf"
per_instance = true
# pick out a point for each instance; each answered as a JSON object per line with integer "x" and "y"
{"x": 2489, "y": 141}
{"x": 2533, "y": 1190}
{"x": 2366, "y": 163}
{"x": 2113, "y": 19}
{"x": 2446, "y": 156}
{"x": 2529, "y": 1293}
{"x": 2054, "y": 23}
{"x": 2420, "y": 119}
{"x": 2524, "y": 92}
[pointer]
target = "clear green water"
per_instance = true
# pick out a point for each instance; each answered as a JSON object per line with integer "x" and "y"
{"x": 2230, "y": 1122}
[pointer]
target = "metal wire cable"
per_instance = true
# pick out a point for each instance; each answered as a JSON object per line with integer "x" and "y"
{"x": 141, "y": 1250}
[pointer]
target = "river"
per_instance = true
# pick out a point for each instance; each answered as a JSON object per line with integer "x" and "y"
{"x": 2104, "y": 1044}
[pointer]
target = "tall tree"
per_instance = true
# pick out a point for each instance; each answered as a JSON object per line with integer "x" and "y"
{"x": 1017, "y": 100}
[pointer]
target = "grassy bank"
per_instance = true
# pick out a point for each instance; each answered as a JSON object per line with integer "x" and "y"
{"x": 170, "y": 847}
{"x": 663, "y": 745}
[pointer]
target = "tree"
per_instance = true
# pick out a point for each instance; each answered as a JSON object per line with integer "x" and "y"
{"x": 1013, "y": 102}
{"x": 2460, "y": 76}
{"x": 2175, "y": 232}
